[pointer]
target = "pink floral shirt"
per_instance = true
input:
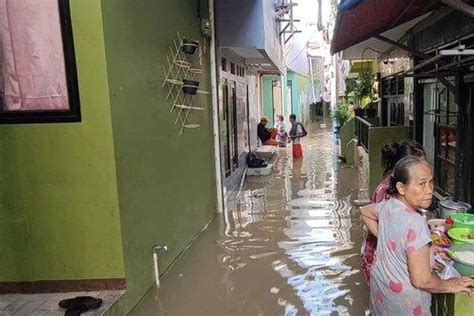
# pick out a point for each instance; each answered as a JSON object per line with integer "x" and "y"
{"x": 401, "y": 232}
{"x": 380, "y": 193}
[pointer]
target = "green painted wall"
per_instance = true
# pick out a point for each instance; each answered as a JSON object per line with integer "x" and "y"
{"x": 267, "y": 97}
{"x": 166, "y": 182}
{"x": 58, "y": 203}
{"x": 452, "y": 304}
{"x": 300, "y": 84}
{"x": 360, "y": 67}
{"x": 379, "y": 136}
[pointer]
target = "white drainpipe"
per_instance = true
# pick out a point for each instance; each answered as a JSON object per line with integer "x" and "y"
{"x": 156, "y": 250}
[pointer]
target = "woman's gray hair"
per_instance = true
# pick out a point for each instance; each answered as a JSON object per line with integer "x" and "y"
{"x": 401, "y": 172}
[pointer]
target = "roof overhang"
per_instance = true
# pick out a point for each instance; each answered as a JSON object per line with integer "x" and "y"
{"x": 373, "y": 48}
{"x": 256, "y": 57}
{"x": 358, "y": 21}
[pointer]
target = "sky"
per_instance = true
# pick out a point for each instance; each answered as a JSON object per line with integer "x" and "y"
{"x": 307, "y": 12}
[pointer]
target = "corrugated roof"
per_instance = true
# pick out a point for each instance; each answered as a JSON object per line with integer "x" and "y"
{"x": 359, "y": 20}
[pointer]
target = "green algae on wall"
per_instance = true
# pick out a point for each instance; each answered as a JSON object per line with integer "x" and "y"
{"x": 166, "y": 182}
{"x": 58, "y": 202}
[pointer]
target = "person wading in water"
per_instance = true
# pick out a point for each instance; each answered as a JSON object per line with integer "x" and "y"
{"x": 296, "y": 133}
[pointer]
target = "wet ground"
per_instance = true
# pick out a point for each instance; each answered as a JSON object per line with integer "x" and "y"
{"x": 289, "y": 244}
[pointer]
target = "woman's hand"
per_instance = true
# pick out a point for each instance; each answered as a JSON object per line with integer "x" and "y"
{"x": 441, "y": 253}
{"x": 461, "y": 285}
{"x": 422, "y": 278}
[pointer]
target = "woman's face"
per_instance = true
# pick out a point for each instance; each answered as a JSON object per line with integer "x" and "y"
{"x": 418, "y": 192}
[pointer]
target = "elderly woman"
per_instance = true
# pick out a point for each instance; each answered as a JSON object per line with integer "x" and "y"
{"x": 402, "y": 279}
{"x": 390, "y": 154}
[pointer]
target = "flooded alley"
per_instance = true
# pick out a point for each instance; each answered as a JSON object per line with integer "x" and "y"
{"x": 289, "y": 244}
{"x": 136, "y": 138}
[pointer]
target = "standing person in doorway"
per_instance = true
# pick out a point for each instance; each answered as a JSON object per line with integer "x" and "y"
{"x": 282, "y": 135}
{"x": 296, "y": 133}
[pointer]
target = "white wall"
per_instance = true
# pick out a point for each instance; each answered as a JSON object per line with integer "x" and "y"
{"x": 255, "y": 107}
{"x": 273, "y": 45}
{"x": 250, "y": 24}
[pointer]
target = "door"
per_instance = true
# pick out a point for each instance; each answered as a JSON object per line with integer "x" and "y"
{"x": 289, "y": 96}
{"x": 277, "y": 99}
{"x": 248, "y": 118}
{"x": 446, "y": 141}
{"x": 234, "y": 145}
{"x": 225, "y": 128}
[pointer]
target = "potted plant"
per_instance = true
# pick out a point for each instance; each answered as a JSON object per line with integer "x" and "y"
{"x": 362, "y": 93}
{"x": 342, "y": 115}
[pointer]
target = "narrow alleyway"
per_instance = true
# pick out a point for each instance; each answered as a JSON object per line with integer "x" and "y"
{"x": 289, "y": 245}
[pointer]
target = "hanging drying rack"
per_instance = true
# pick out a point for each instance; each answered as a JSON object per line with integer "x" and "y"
{"x": 180, "y": 80}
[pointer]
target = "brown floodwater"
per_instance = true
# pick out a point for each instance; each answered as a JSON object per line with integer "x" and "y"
{"x": 288, "y": 244}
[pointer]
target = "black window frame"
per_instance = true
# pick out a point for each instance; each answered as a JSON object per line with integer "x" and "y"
{"x": 73, "y": 114}
{"x": 397, "y": 111}
{"x": 442, "y": 163}
{"x": 393, "y": 93}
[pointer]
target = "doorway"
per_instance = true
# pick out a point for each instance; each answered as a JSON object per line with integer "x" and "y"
{"x": 229, "y": 127}
{"x": 277, "y": 99}
{"x": 289, "y": 96}
{"x": 225, "y": 130}
{"x": 234, "y": 145}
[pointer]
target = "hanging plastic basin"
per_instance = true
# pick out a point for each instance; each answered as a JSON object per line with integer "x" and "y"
{"x": 463, "y": 267}
{"x": 463, "y": 220}
{"x": 461, "y": 235}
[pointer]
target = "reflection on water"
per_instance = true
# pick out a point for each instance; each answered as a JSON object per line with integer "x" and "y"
{"x": 288, "y": 245}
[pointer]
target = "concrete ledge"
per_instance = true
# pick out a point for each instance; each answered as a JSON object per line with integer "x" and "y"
{"x": 260, "y": 171}
{"x": 266, "y": 152}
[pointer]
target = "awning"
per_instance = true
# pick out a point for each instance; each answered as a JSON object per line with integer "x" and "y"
{"x": 372, "y": 48}
{"x": 359, "y": 20}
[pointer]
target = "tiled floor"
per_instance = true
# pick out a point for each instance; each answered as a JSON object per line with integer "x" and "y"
{"x": 47, "y": 304}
